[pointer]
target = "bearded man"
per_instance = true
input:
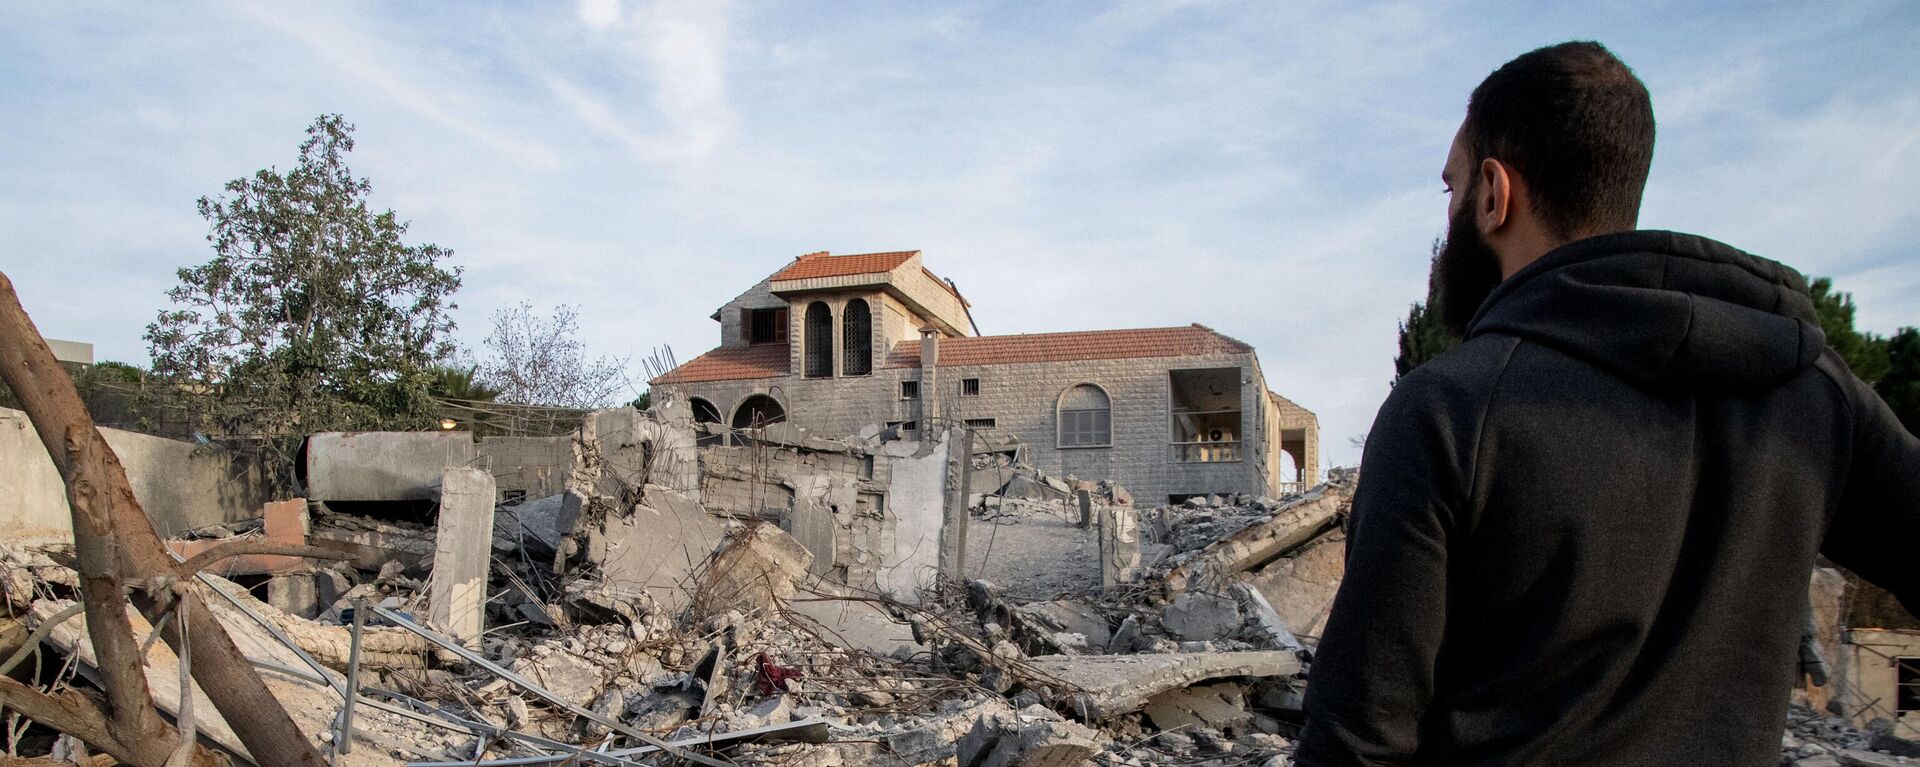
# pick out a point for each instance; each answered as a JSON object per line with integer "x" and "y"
{"x": 1584, "y": 536}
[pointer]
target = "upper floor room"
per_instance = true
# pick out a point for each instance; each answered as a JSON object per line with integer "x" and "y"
{"x": 890, "y": 295}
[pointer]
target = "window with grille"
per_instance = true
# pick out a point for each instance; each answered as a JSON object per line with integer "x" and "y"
{"x": 969, "y": 387}
{"x": 980, "y": 423}
{"x": 819, "y": 340}
{"x": 909, "y": 389}
{"x": 1907, "y": 677}
{"x": 764, "y": 326}
{"x": 856, "y": 338}
{"x": 1086, "y": 417}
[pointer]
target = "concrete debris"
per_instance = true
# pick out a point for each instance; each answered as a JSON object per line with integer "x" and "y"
{"x": 772, "y": 597}
{"x": 1201, "y": 617}
{"x": 1221, "y": 706}
{"x": 1015, "y": 741}
{"x": 1095, "y": 687}
{"x": 755, "y": 569}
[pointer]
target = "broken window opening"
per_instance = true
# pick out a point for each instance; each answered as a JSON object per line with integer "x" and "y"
{"x": 758, "y": 411}
{"x": 909, "y": 389}
{"x": 819, "y": 340}
{"x": 705, "y": 412}
{"x": 981, "y": 423}
{"x": 969, "y": 387}
{"x": 1205, "y": 421}
{"x": 1086, "y": 417}
{"x": 1907, "y": 689}
{"x": 856, "y": 338}
{"x": 764, "y": 326}
{"x": 906, "y": 428}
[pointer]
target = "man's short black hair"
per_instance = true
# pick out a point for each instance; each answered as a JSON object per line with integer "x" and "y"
{"x": 1576, "y": 123}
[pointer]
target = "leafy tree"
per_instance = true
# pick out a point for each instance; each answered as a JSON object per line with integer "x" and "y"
{"x": 1901, "y": 385}
{"x": 313, "y": 314}
{"x": 1422, "y": 336}
{"x": 536, "y": 360}
{"x": 461, "y": 383}
{"x": 644, "y": 401}
{"x": 1866, "y": 353}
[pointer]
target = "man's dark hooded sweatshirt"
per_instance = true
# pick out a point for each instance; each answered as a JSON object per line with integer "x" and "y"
{"x": 1584, "y": 536}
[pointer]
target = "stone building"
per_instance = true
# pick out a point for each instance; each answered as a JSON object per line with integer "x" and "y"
{"x": 835, "y": 344}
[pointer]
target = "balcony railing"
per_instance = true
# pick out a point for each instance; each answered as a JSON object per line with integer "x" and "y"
{"x": 1206, "y": 452}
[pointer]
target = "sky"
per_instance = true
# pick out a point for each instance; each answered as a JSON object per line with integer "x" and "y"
{"x": 1270, "y": 170}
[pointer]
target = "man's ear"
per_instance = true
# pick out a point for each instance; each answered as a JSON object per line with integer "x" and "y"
{"x": 1495, "y": 206}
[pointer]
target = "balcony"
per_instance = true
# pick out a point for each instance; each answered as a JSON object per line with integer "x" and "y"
{"x": 1207, "y": 452}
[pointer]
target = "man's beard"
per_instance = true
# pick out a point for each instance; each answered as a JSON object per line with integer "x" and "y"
{"x": 1465, "y": 271}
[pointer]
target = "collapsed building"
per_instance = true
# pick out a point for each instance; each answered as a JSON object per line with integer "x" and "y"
{"x": 835, "y": 343}
{"x": 756, "y": 591}
{"x": 658, "y": 587}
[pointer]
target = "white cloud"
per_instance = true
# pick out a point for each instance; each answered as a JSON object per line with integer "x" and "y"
{"x": 599, "y": 14}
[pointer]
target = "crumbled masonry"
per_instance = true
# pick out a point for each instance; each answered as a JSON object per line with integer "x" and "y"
{"x": 768, "y": 597}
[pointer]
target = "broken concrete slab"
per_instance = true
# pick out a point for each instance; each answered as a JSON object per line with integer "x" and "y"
{"x": 848, "y": 620}
{"x": 756, "y": 568}
{"x": 1198, "y": 617}
{"x": 1069, "y": 617}
{"x": 383, "y": 465}
{"x": 1108, "y": 685}
{"x": 998, "y": 740}
{"x": 1261, "y": 618}
{"x": 655, "y": 549}
{"x": 1259, "y": 544}
{"x": 1220, "y": 706}
{"x": 463, "y": 545}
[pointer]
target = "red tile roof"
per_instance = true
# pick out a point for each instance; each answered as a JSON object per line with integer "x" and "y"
{"x": 824, "y": 264}
{"x": 1188, "y": 340}
{"x": 732, "y": 363}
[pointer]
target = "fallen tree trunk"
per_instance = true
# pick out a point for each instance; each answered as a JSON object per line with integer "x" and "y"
{"x": 116, "y": 544}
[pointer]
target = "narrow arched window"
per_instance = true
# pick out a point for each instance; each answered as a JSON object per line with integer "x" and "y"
{"x": 1086, "y": 417}
{"x": 856, "y": 338}
{"x": 819, "y": 340}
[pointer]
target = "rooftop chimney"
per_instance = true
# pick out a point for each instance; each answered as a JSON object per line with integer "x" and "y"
{"x": 929, "y": 357}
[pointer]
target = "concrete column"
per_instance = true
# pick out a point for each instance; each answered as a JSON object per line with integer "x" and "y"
{"x": 953, "y": 522}
{"x": 457, "y": 593}
{"x": 1119, "y": 545}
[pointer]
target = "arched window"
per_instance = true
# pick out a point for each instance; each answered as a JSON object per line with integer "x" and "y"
{"x": 1086, "y": 417}
{"x": 819, "y": 340}
{"x": 705, "y": 412}
{"x": 856, "y": 338}
{"x": 757, "y": 411}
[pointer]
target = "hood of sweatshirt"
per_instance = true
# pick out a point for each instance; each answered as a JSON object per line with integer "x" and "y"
{"x": 1664, "y": 310}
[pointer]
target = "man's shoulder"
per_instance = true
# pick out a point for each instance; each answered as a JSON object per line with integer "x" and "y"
{"x": 1465, "y": 373}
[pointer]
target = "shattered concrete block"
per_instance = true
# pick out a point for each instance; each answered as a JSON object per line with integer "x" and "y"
{"x": 756, "y": 567}
{"x": 1855, "y": 758}
{"x": 1006, "y": 741}
{"x": 1128, "y": 637}
{"x": 463, "y": 546}
{"x": 1264, "y": 621}
{"x": 1201, "y": 617}
{"x": 295, "y": 594}
{"x": 1067, "y": 617}
{"x": 1109, "y": 685}
{"x": 1219, "y": 706}
{"x": 574, "y": 679}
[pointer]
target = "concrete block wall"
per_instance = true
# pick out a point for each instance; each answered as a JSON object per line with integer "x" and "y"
{"x": 1021, "y": 399}
{"x": 181, "y": 485}
{"x": 534, "y": 467}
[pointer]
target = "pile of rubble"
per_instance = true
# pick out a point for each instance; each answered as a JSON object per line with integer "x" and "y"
{"x": 762, "y": 598}
{"x": 1814, "y": 739}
